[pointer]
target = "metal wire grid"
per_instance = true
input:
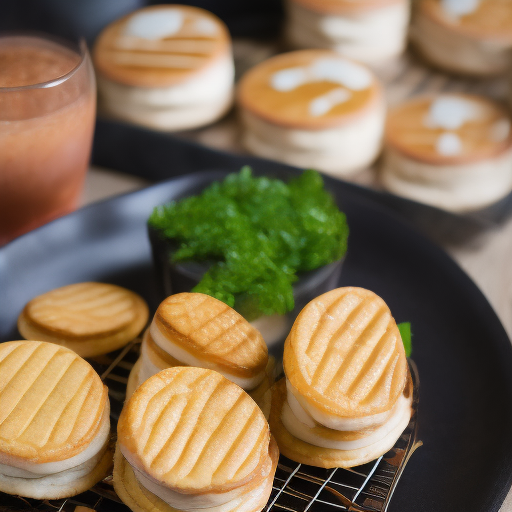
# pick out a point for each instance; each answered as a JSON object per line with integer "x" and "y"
{"x": 297, "y": 487}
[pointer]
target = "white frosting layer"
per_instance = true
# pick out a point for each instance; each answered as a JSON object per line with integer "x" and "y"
{"x": 299, "y": 429}
{"x": 186, "y": 357}
{"x": 338, "y": 151}
{"x": 452, "y": 112}
{"x": 155, "y": 24}
{"x": 458, "y": 8}
{"x": 455, "y": 51}
{"x": 370, "y": 36}
{"x": 342, "y": 72}
{"x": 223, "y": 502}
{"x": 308, "y": 414}
{"x": 456, "y": 187}
{"x": 78, "y": 465}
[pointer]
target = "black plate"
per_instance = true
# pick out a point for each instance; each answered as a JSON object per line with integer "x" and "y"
{"x": 462, "y": 351}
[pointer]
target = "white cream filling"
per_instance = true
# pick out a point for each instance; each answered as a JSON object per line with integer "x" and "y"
{"x": 369, "y": 36}
{"x": 453, "y": 50}
{"x": 455, "y": 187}
{"x": 338, "y": 151}
{"x": 187, "y": 358}
{"x": 308, "y": 414}
{"x": 214, "y": 502}
{"x": 79, "y": 464}
{"x": 273, "y": 328}
{"x": 300, "y": 430}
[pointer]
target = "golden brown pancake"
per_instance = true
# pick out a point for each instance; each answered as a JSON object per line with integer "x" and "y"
{"x": 167, "y": 52}
{"x": 485, "y": 133}
{"x": 89, "y": 318}
{"x": 182, "y": 427}
{"x": 54, "y": 408}
{"x": 344, "y": 354}
{"x": 294, "y": 103}
{"x": 211, "y": 331}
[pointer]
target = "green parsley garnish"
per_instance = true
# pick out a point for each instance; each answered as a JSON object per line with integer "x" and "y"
{"x": 406, "y": 334}
{"x": 257, "y": 234}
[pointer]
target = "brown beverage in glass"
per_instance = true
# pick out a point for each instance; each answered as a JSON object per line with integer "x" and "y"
{"x": 47, "y": 113}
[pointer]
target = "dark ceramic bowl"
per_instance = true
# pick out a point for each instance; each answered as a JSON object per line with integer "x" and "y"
{"x": 182, "y": 277}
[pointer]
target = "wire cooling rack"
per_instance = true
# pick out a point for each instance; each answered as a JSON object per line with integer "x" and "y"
{"x": 297, "y": 487}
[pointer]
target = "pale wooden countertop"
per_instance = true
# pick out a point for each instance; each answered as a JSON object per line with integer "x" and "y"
{"x": 487, "y": 258}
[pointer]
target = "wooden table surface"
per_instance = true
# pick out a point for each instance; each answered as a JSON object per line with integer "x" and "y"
{"x": 487, "y": 258}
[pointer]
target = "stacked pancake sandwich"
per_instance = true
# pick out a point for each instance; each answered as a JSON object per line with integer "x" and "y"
{"x": 369, "y": 31}
{"x": 168, "y": 67}
{"x": 189, "y": 439}
{"x": 453, "y": 151}
{"x": 89, "y": 318}
{"x": 313, "y": 109}
{"x": 54, "y": 421}
{"x": 193, "y": 329}
{"x": 465, "y": 36}
{"x": 347, "y": 394}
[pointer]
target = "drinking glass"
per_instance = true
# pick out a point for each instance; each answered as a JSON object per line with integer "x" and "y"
{"x": 47, "y": 114}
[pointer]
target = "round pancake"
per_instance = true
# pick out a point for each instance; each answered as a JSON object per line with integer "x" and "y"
{"x": 211, "y": 331}
{"x": 309, "y": 89}
{"x": 261, "y": 394}
{"x": 160, "y": 46}
{"x": 139, "y": 499}
{"x": 192, "y": 430}
{"x": 57, "y": 486}
{"x": 52, "y": 402}
{"x": 489, "y": 19}
{"x": 344, "y": 354}
{"x": 305, "y": 453}
{"x": 345, "y": 6}
{"x": 449, "y": 129}
{"x": 89, "y": 318}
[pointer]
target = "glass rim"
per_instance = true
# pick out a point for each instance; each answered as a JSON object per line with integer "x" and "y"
{"x": 79, "y": 44}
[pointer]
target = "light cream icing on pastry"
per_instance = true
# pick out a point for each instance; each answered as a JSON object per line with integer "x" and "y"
{"x": 453, "y": 151}
{"x": 313, "y": 108}
{"x": 168, "y": 67}
{"x": 372, "y": 32}
{"x": 465, "y": 36}
{"x": 54, "y": 421}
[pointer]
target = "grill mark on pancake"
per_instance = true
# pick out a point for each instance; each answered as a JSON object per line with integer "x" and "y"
{"x": 314, "y": 334}
{"x": 332, "y": 341}
{"x": 356, "y": 348}
{"x": 223, "y": 332}
{"x": 335, "y": 329}
{"x": 62, "y": 414}
{"x": 20, "y": 391}
{"x": 73, "y": 432}
{"x": 195, "y": 396}
{"x": 374, "y": 356}
{"x": 212, "y": 437}
{"x": 21, "y": 347}
{"x": 242, "y": 469}
{"x": 51, "y": 388}
{"x": 235, "y": 444}
{"x": 153, "y": 401}
{"x": 157, "y": 397}
{"x": 379, "y": 384}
